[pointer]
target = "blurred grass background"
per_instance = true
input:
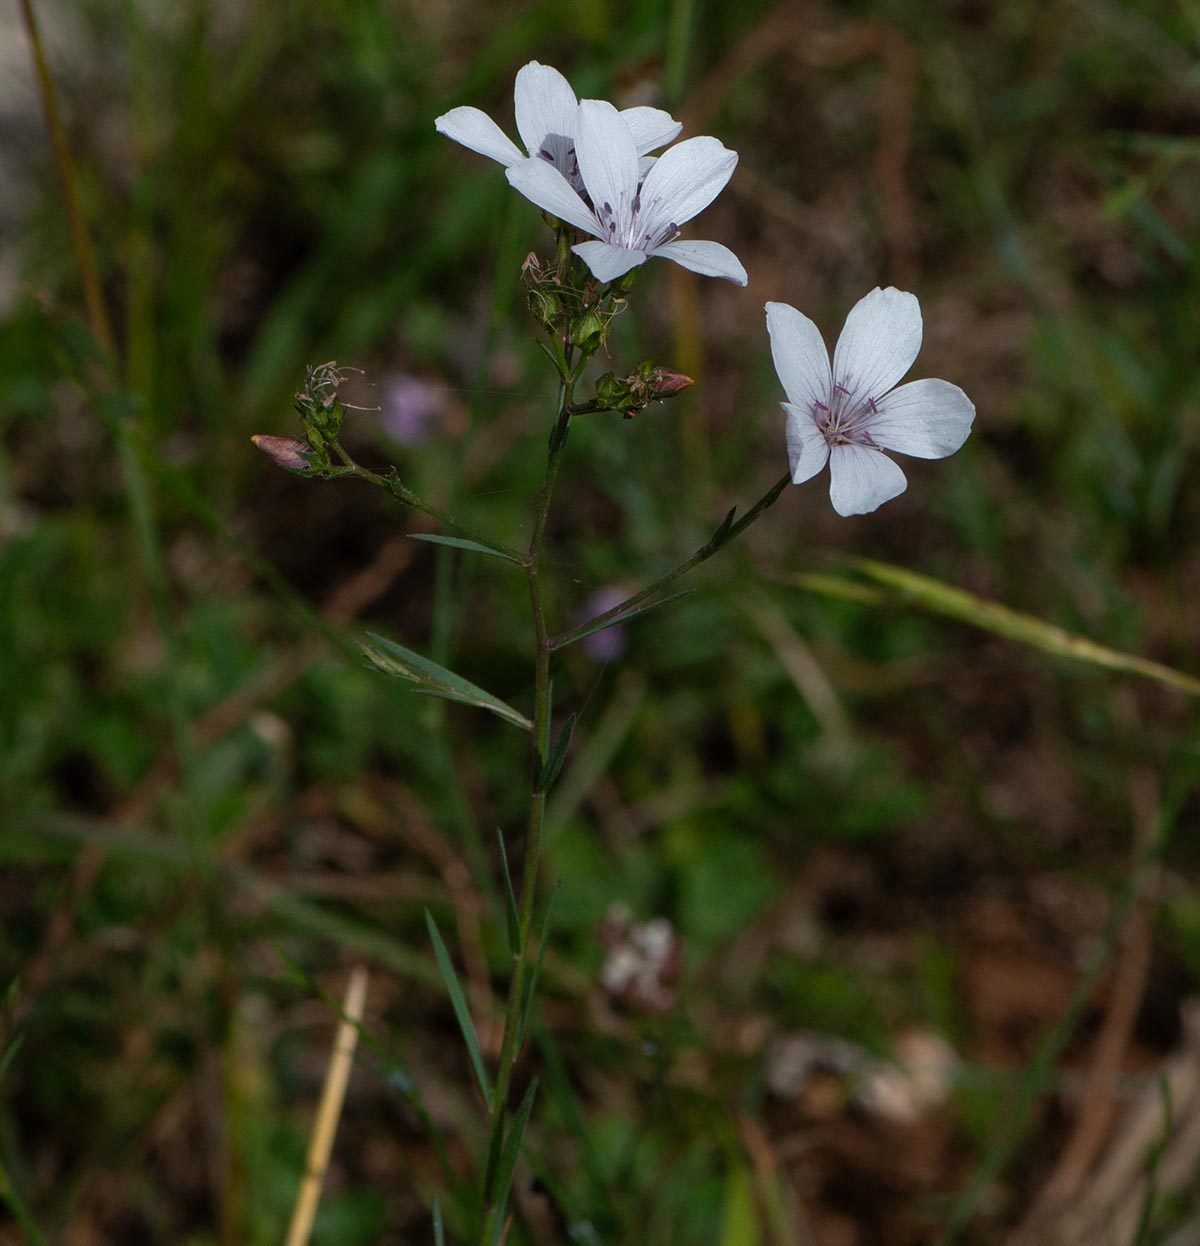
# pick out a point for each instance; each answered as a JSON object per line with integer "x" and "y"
{"x": 865, "y": 825}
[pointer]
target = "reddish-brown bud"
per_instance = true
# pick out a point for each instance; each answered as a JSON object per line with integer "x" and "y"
{"x": 284, "y": 451}
{"x": 665, "y": 384}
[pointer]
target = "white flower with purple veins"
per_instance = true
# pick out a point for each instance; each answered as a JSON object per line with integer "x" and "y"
{"x": 848, "y": 415}
{"x": 545, "y": 112}
{"x": 632, "y": 223}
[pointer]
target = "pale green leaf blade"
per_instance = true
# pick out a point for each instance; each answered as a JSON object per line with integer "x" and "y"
{"x": 458, "y": 542}
{"x": 909, "y": 587}
{"x": 436, "y": 680}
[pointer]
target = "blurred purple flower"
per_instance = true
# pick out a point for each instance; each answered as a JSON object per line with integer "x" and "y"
{"x": 412, "y": 409}
{"x": 609, "y": 644}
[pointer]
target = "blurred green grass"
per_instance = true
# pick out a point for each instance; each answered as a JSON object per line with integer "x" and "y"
{"x": 265, "y": 190}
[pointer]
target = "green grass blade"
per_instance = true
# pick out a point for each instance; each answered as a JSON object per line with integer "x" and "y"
{"x": 436, "y": 680}
{"x": 910, "y": 588}
{"x": 439, "y": 1230}
{"x": 458, "y": 542}
{"x": 459, "y": 1003}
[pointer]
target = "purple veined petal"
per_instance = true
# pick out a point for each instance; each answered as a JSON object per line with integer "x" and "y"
{"x": 801, "y": 360}
{"x": 862, "y": 479}
{"x": 878, "y": 344}
{"x": 541, "y": 183}
{"x": 545, "y": 104}
{"x": 606, "y": 261}
{"x": 651, "y": 127}
{"x": 808, "y": 451}
{"x": 476, "y": 130}
{"x": 709, "y": 259}
{"x": 685, "y": 179}
{"x": 608, "y": 158}
{"x": 927, "y": 419}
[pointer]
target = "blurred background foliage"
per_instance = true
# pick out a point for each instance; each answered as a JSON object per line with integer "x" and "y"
{"x": 874, "y": 833}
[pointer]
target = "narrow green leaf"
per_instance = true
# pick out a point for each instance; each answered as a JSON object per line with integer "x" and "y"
{"x": 458, "y": 542}
{"x": 722, "y": 533}
{"x": 439, "y": 1231}
{"x": 531, "y": 983}
{"x": 459, "y": 1003}
{"x": 508, "y": 1158}
{"x": 626, "y": 618}
{"x": 739, "y": 1216}
{"x": 512, "y": 919}
{"x": 436, "y": 680}
{"x": 558, "y": 753}
{"x": 991, "y": 616}
{"x": 10, "y": 1053}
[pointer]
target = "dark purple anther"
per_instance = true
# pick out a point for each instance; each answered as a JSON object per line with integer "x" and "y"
{"x": 839, "y": 388}
{"x": 871, "y": 404}
{"x": 819, "y": 405}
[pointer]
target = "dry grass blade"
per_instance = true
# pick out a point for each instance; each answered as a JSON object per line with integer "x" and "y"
{"x": 332, "y": 1095}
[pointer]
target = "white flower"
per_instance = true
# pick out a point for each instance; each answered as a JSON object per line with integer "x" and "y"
{"x": 633, "y": 224}
{"x": 546, "y": 109}
{"x": 848, "y": 415}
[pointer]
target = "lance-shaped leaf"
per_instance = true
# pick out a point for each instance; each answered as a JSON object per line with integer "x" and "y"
{"x": 459, "y": 542}
{"x": 502, "y": 1177}
{"x": 458, "y": 1002}
{"x": 435, "y": 680}
{"x": 558, "y": 753}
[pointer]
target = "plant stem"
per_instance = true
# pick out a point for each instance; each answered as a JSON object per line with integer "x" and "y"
{"x": 97, "y": 314}
{"x": 719, "y": 540}
{"x": 537, "y": 807}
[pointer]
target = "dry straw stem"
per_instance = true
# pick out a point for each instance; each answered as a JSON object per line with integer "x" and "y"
{"x": 332, "y": 1095}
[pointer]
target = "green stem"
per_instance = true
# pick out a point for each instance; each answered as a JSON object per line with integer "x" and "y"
{"x": 720, "y": 539}
{"x": 537, "y": 808}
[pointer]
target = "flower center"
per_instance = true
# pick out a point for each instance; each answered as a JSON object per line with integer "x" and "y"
{"x": 634, "y": 224}
{"x": 844, "y": 419}
{"x": 559, "y": 151}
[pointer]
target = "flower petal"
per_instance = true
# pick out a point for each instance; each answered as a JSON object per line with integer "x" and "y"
{"x": 801, "y": 359}
{"x": 685, "y": 179}
{"x": 862, "y": 479}
{"x": 540, "y": 182}
{"x": 545, "y": 104}
{"x": 608, "y": 159}
{"x": 476, "y": 130}
{"x": 879, "y": 343}
{"x": 606, "y": 261}
{"x": 709, "y": 259}
{"x": 927, "y": 419}
{"x": 808, "y": 451}
{"x": 651, "y": 127}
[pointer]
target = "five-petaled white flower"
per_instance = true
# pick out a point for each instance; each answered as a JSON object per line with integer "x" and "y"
{"x": 545, "y": 112}
{"x": 633, "y": 224}
{"x": 847, "y": 415}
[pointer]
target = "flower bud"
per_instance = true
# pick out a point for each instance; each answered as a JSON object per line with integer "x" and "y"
{"x": 666, "y": 384}
{"x": 284, "y": 451}
{"x": 589, "y": 332}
